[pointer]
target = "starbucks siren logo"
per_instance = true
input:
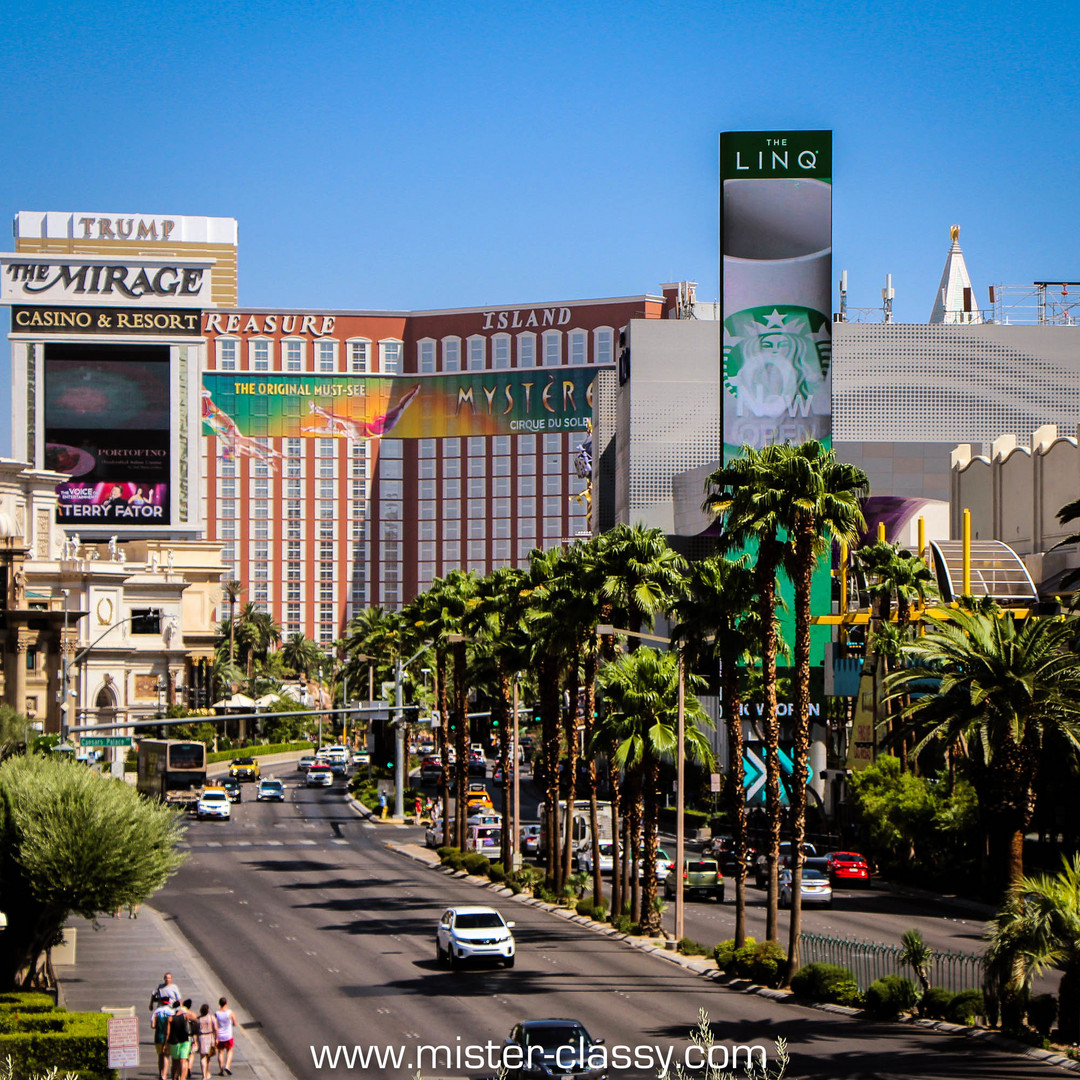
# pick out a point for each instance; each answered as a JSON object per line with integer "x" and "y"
{"x": 776, "y": 359}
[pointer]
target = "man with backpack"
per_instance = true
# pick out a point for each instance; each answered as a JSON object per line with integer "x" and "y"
{"x": 159, "y": 1021}
{"x": 167, "y": 992}
{"x": 178, "y": 1037}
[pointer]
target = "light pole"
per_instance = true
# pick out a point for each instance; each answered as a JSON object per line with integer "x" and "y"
{"x": 400, "y": 757}
{"x": 606, "y": 630}
{"x": 515, "y": 820}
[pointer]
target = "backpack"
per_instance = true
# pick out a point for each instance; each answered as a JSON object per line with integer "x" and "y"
{"x": 161, "y": 1023}
{"x": 193, "y": 1027}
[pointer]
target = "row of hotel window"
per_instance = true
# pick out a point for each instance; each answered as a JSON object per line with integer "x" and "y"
{"x": 456, "y": 355}
{"x": 476, "y": 487}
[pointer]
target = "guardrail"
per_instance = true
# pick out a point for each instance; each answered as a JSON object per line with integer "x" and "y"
{"x": 872, "y": 960}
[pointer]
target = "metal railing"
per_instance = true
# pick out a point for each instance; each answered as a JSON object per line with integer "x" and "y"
{"x": 872, "y": 960}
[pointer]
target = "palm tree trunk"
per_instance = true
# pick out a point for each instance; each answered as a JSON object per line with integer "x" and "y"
{"x": 650, "y": 916}
{"x": 571, "y": 735}
{"x": 804, "y": 540}
{"x": 461, "y": 742}
{"x": 635, "y": 852}
{"x": 766, "y": 585}
{"x": 443, "y": 743}
{"x": 618, "y": 850}
{"x": 729, "y": 678}
{"x": 549, "y": 705}
{"x": 1069, "y": 1003}
{"x": 504, "y": 706}
{"x": 590, "y": 773}
{"x": 628, "y": 863}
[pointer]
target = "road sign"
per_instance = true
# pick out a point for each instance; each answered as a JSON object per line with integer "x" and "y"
{"x": 123, "y": 1042}
{"x": 714, "y": 782}
{"x": 105, "y": 740}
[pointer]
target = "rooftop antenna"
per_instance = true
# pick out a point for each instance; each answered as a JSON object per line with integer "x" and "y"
{"x": 887, "y": 295}
{"x": 842, "y": 317}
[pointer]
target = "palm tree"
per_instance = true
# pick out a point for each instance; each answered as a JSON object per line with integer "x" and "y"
{"x": 1039, "y": 928}
{"x": 713, "y": 622}
{"x": 301, "y": 654}
{"x": 232, "y": 589}
{"x": 642, "y": 575}
{"x": 744, "y": 494}
{"x": 642, "y": 688}
{"x": 915, "y": 952}
{"x": 1007, "y": 691}
{"x": 822, "y": 506}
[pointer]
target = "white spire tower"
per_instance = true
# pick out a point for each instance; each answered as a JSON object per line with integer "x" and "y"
{"x": 955, "y": 302}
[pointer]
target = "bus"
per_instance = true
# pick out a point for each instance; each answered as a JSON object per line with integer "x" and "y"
{"x": 581, "y": 831}
{"x": 172, "y": 770}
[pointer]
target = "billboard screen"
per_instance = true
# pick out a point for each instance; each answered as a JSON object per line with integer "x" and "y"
{"x": 776, "y": 281}
{"x": 107, "y": 425}
{"x": 242, "y": 407}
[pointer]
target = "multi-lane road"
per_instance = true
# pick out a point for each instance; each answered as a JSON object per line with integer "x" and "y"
{"x": 327, "y": 938}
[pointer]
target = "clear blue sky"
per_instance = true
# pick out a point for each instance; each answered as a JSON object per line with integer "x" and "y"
{"x": 426, "y": 155}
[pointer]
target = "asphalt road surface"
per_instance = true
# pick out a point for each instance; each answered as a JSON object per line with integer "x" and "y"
{"x": 328, "y": 939}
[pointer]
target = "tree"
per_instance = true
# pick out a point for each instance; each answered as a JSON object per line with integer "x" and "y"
{"x": 1006, "y": 690}
{"x": 1037, "y": 928}
{"x": 642, "y": 689}
{"x": 72, "y": 841}
{"x": 916, "y": 953}
{"x": 13, "y": 730}
{"x": 232, "y": 589}
{"x": 822, "y": 506}
{"x": 302, "y": 655}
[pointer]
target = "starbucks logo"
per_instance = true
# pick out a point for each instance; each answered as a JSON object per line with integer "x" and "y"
{"x": 776, "y": 359}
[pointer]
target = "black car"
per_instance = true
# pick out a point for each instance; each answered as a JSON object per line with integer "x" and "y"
{"x": 233, "y": 789}
{"x": 554, "y": 1048}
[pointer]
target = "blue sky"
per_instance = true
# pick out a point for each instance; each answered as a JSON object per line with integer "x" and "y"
{"x": 427, "y": 155}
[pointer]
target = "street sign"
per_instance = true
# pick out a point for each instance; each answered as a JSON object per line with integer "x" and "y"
{"x": 105, "y": 740}
{"x": 714, "y": 782}
{"x": 123, "y": 1042}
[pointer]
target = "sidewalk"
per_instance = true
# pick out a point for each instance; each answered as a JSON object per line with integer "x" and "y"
{"x": 119, "y": 965}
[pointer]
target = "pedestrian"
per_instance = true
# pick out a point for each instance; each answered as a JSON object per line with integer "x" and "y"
{"x": 225, "y": 1019}
{"x": 419, "y": 809}
{"x": 166, "y": 990}
{"x": 159, "y": 1021}
{"x": 178, "y": 1036}
{"x": 207, "y": 1038}
{"x": 382, "y": 804}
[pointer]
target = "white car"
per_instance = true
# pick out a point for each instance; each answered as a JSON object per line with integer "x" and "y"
{"x": 214, "y": 803}
{"x": 815, "y": 888}
{"x": 319, "y": 776}
{"x": 607, "y": 857}
{"x": 664, "y": 865}
{"x": 361, "y": 757}
{"x": 472, "y": 932}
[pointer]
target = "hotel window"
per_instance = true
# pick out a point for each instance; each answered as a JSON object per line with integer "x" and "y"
{"x": 359, "y": 462}
{"x": 477, "y": 353}
{"x": 500, "y": 466}
{"x": 425, "y": 511}
{"x": 261, "y": 488}
{"x": 552, "y": 529}
{"x": 451, "y": 530}
{"x": 390, "y": 357}
{"x": 451, "y": 550}
{"x": 553, "y": 444}
{"x": 293, "y": 528}
{"x": 477, "y": 487}
{"x": 326, "y": 489}
{"x": 293, "y": 489}
{"x": 292, "y": 590}
{"x": 425, "y": 469}
{"x": 427, "y": 531}
{"x": 477, "y": 530}
{"x": 325, "y": 509}
{"x": 578, "y": 345}
{"x": 526, "y": 508}
{"x": 500, "y": 550}
{"x": 451, "y": 354}
{"x": 426, "y": 552}
{"x": 552, "y": 507}
{"x": 526, "y": 485}
{"x": 500, "y": 508}
{"x": 294, "y": 355}
{"x": 477, "y": 445}
{"x": 358, "y": 354}
{"x": 604, "y": 345}
{"x": 390, "y": 489}
{"x": 292, "y": 617}
{"x": 526, "y": 444}
{"x": 326, "y": 351}
{"x": 228, "y": 468}
{"x": 477, "y": 550}
{"x": 228, "y": 489}
{"x": 500, "y": 352}
{"x": 526, "y": 350}
{"x": 425, "y": 356}
{"x": 391, "y": 469}
{"x": 553, "y": 464}
{"x": 452, "y": 467}
{"x": 553, "y": 484}
{"x": 228, "y": 530}
{"x": 524, "y": 548}
{"x": 477, "y": 508}
{"x": 425, "y": 448}
{"x": 451, "y": 489}
{"x": 500, "y": 487}
{"x": 260, "y": 355}
{"x": 425, "y": 575}
{"x": 552, "y": 348}
{"x": 501, "y": 528}
{"x": 226, "y": 353}
{"x": 451, "y": 448}
{"x": 451, "y": 510}
{"x": 261, "y": 466}
{"x": 262, "y": 596}
{"x": 261, "y": 508}
{"x": 262, "y": 529}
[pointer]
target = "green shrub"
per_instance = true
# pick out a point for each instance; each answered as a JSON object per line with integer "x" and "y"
{"x": 586, "y": 906}
{"x": 453, "y": 858}
{"x": 820, "y": 981}
{"x": 476, "y": 863}
{"x": 966, "y": 1008}
{"x": 768, "y": 963}
{"x": 724, "y": 953}
{"x": 258, "y": 751}
{"x": 742, "y": 960}
{"x": 27, "y": 1001}
{"x": 446, "y": 851}
{"x": 514, "y": 887}
{"x": 497, "y": 872}
{"x": 935, "y": 1002}
{"x": 890, "y": 996}
{"x": 73, "y": 1041}
{"x": 689, "y": 947}
{"x": 1042, "y": 1012}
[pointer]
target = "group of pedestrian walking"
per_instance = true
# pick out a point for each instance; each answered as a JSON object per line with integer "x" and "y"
{"x": 181, "y": 1037}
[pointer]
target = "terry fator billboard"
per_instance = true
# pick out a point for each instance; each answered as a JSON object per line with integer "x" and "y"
{"x": 776, "y": 281}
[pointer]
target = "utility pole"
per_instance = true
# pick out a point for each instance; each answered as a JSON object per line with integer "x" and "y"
{"x": 65, "y": 675}
{"x": 399, "y": 741}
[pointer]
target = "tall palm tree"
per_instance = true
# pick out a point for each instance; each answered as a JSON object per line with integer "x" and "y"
{"x": 713, "y": 623}
{"x": 232, "y": 590}
{"x": 1039, "y": 928}
{"x": 822, "y": 507}
{"x": 642, "y": 688}
{"x": 744, "y": 494}
{"x": 642, "y": 575}
{"x": 1008, "y": 690}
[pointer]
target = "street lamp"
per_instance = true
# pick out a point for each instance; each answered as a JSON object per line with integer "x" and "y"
{"x": 606, "y": 630}
{"x": 399, "y": 730}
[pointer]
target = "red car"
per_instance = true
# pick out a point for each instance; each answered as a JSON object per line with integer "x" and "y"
{"x": 849, "y": 867}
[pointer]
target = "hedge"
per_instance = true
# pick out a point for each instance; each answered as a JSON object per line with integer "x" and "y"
{"x": 67, "y": 1041}
{"x": 258, "y": 751}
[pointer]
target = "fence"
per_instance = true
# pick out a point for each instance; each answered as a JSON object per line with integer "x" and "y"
{"x": 871, "y": 960}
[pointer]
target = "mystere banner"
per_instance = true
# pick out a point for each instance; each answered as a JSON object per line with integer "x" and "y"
{"x": 776, "y": 279}
{"x": 239, "y": 407}
{"x": 776, "y": 284}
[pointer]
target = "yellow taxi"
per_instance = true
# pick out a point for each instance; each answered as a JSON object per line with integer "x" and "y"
{"x": 478, "y": 800}
{"x": 244, "y": 768}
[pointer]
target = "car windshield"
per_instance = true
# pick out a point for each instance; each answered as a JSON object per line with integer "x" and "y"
{"x": 551, "y": 1036}
{"x": 701, "y": 868}
{"x": 244, "y": 761}
{"x": 605, "y": 849}
{"x": 847, "y": 856}
{"x": 478, "y": 920}
{"x": 214, "y": 796}
{"x": 815, "y": 876}
{"x": 270, "y": 785}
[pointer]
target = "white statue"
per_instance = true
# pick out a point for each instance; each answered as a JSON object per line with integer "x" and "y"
{"x": 169, "y": 557}
{"x": 152, "y": 565}
{"x": 170, "y": 630}
{"x": 114, "y": 549}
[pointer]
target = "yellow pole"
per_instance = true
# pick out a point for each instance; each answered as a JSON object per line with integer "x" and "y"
{"x": 922, "y": 537}
{"x": 967, "y": 552}
{"x": 843, "y": 578}
{"x": 881, "y": 531}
